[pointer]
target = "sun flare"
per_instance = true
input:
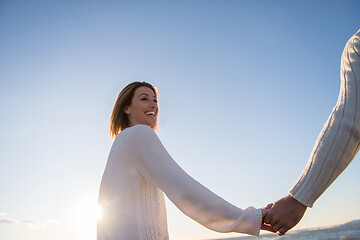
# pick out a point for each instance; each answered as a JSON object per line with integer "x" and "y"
{"x": 88, "y": 212}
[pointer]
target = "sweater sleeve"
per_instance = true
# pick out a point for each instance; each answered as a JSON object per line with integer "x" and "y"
{"x": 339, "y": 140}
{"x": 155, "y": 164}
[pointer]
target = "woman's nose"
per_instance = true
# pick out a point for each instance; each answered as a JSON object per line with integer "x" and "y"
{"x": 153, "y": 104}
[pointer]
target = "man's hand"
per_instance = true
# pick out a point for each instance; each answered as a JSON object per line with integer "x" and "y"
{"x": 284, "y": 214}
{"x": 264, "y": 226}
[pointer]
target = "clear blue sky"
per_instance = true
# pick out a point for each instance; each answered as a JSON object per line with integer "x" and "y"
{"x": 245, "y": 88}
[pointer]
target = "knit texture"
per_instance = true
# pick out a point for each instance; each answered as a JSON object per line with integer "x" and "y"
{"x": 154, "y": 212}
{"x": 339, "y": 140}
{"x": 138, "y": 172}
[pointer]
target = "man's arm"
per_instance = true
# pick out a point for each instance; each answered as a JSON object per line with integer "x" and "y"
{"x": 335, "y": 148}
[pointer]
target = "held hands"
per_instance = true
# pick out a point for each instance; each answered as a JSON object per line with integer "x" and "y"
{"x": 266, "y": 226}
{"x": 282, "y": 215}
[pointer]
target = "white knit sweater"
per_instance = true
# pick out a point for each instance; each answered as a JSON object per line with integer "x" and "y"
{"x": 339, "y": 141}
{"x": 137, "y": 172}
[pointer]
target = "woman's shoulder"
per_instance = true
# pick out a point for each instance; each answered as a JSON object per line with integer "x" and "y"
{"x": 139, "y": 130}
{"x": 135, "y": 137}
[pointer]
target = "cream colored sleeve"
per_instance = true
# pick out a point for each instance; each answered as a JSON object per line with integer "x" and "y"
{"x": 155, "y": 164}
{"x": 339, "y": 141}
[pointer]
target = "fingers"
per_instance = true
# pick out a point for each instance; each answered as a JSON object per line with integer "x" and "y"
{"x": 279, "y": 227}
{"x": 284, "y": 214}
{"x": 269, "y": 206}
{"x": 282, "y": 231}
{"x": 264, "y": 212}
{"x": 270, "y": 223}
{"x": 266, "y": 216}
{"x": 276, "y": 227}
{"x": 267, "y": 228}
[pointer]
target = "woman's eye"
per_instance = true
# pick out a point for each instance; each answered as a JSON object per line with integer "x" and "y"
{"x": 144, "y": 99}
{"x": 155, "y": 100}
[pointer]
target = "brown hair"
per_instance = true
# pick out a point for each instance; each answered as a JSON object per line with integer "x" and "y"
{"x": 119, "y": 120}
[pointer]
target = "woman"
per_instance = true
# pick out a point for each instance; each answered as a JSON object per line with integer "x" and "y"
{"x": 139, "y": 170}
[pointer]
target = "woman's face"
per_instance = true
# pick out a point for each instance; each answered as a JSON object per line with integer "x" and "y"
{"x": 143, "y": 108}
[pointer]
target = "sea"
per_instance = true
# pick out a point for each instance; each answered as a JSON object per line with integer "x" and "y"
{"x": 347, "y": 231}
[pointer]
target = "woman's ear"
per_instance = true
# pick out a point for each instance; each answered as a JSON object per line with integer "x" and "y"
{"x": 126, "y": 110}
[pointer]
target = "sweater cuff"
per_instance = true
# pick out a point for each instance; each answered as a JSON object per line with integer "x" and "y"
{"x": 258, "y": 221}
{"x": 296, "y": 193}
{"x": 249, "y": 222}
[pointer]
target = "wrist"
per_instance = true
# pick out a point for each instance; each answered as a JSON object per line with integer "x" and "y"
{"x": 296, "y": 202}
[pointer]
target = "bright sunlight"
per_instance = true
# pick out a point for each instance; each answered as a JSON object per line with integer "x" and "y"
{"x": 88, "y": 212}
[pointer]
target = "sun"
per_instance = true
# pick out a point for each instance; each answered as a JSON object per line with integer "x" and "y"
{"x": 88, "y": 212}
